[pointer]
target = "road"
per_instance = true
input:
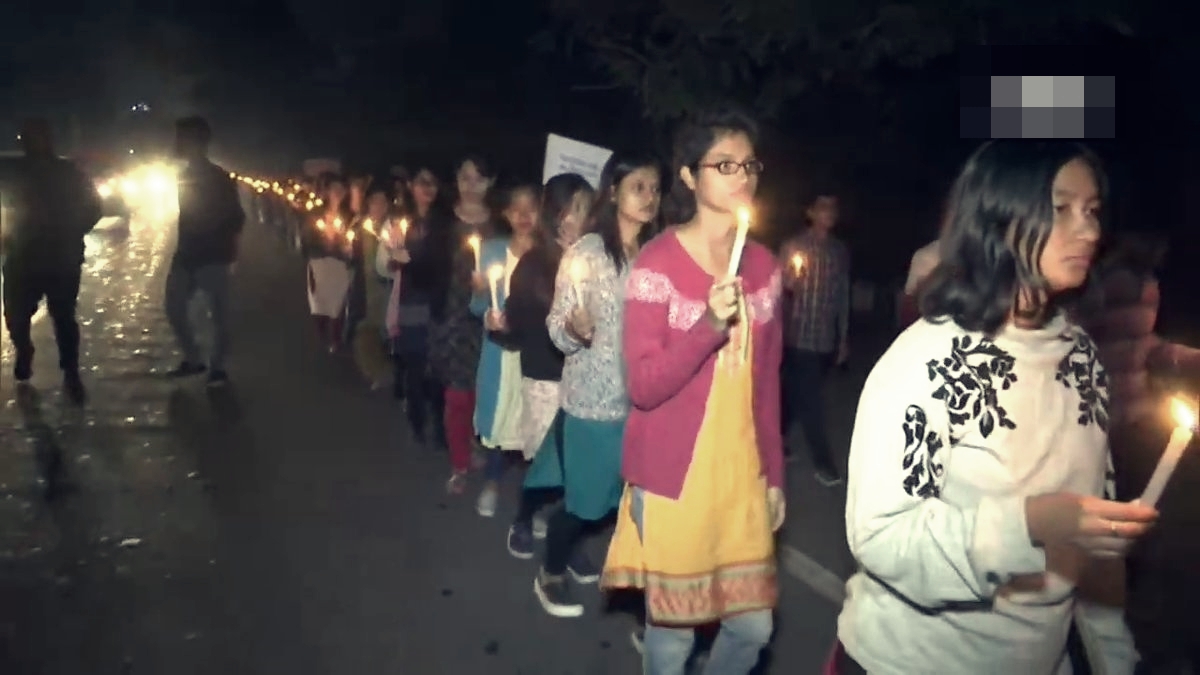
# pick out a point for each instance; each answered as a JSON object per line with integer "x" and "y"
{"x": 285, "y": 525}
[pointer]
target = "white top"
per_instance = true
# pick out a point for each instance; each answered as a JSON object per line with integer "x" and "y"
{"x": 952, "y": 433}
{"x": 923, "y": 263}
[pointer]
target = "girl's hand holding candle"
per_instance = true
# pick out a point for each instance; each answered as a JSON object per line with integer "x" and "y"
{"x": 1185, "y": 428}
{"x": 739, "y": 240}
{"x": 495, "y": 276}
{"x": 577, "y": 272}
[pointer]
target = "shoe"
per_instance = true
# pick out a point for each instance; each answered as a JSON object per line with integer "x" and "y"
{"x": 457, "y": 483}
{"x": 187, "y": 369}
{"x": 486, "y": 504}
{"x": 218, "y": 378}
{"x": 828, "y": 477}
{"x": 555, "y": 595}
{"x": 73, "y": 386}
{"x": 582, "y": 568}
{"x": 540, "y": 526}
{"x": 520, "y": 541}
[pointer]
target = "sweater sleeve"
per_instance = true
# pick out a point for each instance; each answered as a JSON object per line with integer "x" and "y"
{"x": 659, "y": 364}
{"x": 934, "y": 553}
{"x": 769, "y": 353}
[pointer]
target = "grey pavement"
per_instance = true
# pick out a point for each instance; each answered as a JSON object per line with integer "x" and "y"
{"x": 285, "y": 525}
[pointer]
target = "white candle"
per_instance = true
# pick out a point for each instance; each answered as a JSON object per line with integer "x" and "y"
{"x": 474, "y": 242}
{"x": 739, "y": 241}
{"x": 495, "y": 274}
{"x": 1185, "y": 421}
{"x": 577, "y": 272}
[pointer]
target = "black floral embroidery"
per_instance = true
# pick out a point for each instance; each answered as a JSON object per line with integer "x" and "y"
{"x": 972, "y": 376}
{"x": 921, "y": 461}
{"x": 1080, "y": 370}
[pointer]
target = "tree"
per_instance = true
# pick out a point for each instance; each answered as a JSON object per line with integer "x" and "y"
{"x": 676, "y": 54}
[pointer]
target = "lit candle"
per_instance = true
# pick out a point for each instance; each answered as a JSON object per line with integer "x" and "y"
{"x": 797, "y": 263}
{"x": 337, "y": 224}
{"x": 1185, "y": 428}
{"x": 403, "y": 229}
{"x": 474, "y": 242}
{"x": 310, "y": 205}
{"x": 578, "y": 271}
{"x": 739, "y": 241}
{"x": 350, "y": 236}
{"x": 321, "y": 224}
{"x": 495, "y": 274}
{"x": 369, "y": 226}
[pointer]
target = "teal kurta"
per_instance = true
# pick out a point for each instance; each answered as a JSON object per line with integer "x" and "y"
{"x": 487, "y": 379}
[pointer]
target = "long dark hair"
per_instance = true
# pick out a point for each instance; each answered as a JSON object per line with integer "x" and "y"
{"x": 557, "y": 196}
{"x": 693, "y": 139}
{"x": 603, "y": 219}
{"x": 999, "y": 217}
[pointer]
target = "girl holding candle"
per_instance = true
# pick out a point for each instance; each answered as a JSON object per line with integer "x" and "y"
{"x": 498, "y": 380}
{"x": 330, "y": 255}
{"x": 418, "y": 248}
{"x": 566, "y": 199}
{"x": 703, "y": 452}
{"x": 455, "y": 329}
{"x": 976, "y": 502}
{"x": 370, "y": 354}
{"x": 585, "y": 322}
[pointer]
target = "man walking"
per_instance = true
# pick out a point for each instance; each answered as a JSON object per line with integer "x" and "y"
{"x": 816, "y": 334}
{"x": 55, "y": 205}
{"x": 210, "y": 221}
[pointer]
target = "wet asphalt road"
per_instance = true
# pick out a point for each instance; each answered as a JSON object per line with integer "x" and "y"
{"x": 285, "y": 525}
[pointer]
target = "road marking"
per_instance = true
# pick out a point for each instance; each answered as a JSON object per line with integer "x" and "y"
{"x": 799, "y": 566}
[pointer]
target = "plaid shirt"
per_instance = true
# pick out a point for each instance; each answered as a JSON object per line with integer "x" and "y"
{"x": 818, "y": 304}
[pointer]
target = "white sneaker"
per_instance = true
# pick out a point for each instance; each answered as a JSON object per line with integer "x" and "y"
{"x": 486, "y": 505}
{"x": 539, "y": 526}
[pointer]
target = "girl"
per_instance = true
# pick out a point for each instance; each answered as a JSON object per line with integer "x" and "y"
{"x": 703, "y": 452}
{"x": 498, "y": 382}
{"x": 978, "y": 460}
{"x": 419, "y": 242}
{"x": 585, "y": 322}
{"x": 329, "y": 250}
{"x": 456, "y": 332}
{"x": 563, "y": 212}
{"x": 369, "y": 354}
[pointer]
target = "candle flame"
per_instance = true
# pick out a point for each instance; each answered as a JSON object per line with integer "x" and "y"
{"x": 797, "y": 262}
{"x": 743, "y": 216}
{"x": 337, "y": 222}
{"x": 577, "y": 270}
{"x": 350, "y": 236}
{"x": 496, "y": 272}
{"x": 1185, "y": 416}
{"x": 473, "y": 241}
{"x": 320, "y": 224}
{"x": 404, "y": 226}
{"x": 369, "y": 225}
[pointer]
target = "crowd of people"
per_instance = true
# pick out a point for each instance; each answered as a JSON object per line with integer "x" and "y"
{"x": 630, "y": 352}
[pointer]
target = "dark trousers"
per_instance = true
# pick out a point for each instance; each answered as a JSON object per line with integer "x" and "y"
{"x": 423, "y": 394}
{"x": 804, "y": 375}
{"x": 24, "y": 288}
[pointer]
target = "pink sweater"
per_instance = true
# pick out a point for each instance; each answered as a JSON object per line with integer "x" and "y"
{"x": 670, "y": 357}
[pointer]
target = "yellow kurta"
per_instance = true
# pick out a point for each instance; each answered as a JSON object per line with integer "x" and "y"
{"x": 711, "y": 553}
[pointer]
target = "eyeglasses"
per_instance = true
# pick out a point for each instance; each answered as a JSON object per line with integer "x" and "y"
{"x": 729, "y": 167}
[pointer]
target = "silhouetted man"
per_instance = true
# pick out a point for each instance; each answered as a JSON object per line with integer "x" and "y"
{"x": 56, "y": 204}
{"x": 210, "y": 221}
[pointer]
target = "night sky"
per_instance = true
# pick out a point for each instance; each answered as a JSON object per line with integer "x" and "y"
{"x": 373, "y": 81}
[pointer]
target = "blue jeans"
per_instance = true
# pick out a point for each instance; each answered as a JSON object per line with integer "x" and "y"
{"x": 735, "y": 651}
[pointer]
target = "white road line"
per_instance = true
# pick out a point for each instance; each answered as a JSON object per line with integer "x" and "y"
{"x": 799, "y": 566}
